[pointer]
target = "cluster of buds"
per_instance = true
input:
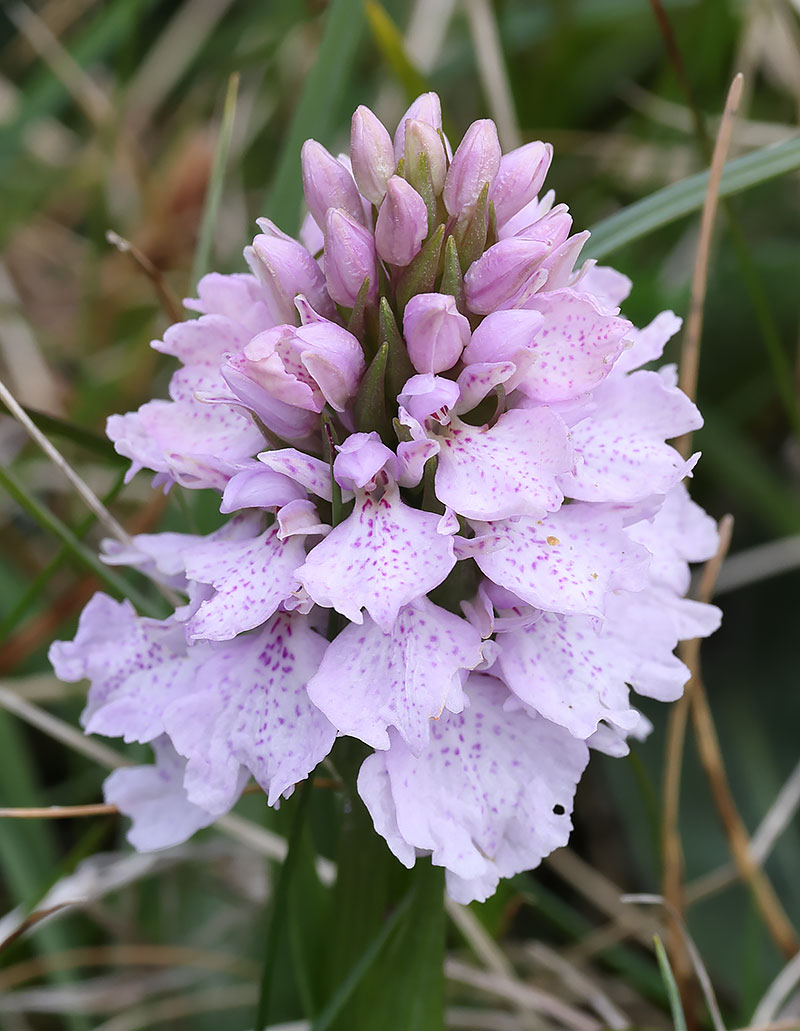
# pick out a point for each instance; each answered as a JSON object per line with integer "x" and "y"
{"x": 457, "y": 531}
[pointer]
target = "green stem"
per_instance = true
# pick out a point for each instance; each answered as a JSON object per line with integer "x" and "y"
{"x": 279, "y": 907}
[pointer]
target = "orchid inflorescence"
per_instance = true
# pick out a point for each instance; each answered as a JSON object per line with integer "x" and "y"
{"x": 455, "y": 532}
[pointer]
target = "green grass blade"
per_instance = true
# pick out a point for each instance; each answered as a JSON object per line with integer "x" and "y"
{"x": 52, "y": 524}
{"x": 389, "y": 41}
{"x": 279, "y": 905}
{"x": 216, "y": 181}
{"x": 88, "y": 439}
{"x": 678, "y": 1018}
{"x": 368, "y": 957}
{"x": 315, "y": 113}
{"x": 40, "y": 581}
{"x": 688, "y": 195}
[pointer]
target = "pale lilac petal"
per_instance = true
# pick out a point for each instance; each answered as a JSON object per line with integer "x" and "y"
{"x": 568, "y": 562}
{"x": 311, "y": 473}
{"x": 259, "y": 487}
{"x": 238, "y": 297}
{"x": 154, "y": 799}
{"x": 251, "y": 578}
{"x": 203, "y": 341}
{"x": 575, "y": 347}
{"x": 620, "y": 446}
{"x": 300, "y": 517}
{"x": 647, "y": 345}
{"x": 251, "y": 710}
{"x": 478, "y": 380}
{"x": 569, "y": 671}
{"x": 489, "y": 798}
{"x": 679, "y": 533}
{"x": 506, "y": 470}
{"x": 135, "y": 665}
{"x": 382, "y": 557}
{"x": 157, "y": 555}
{"x": 607, "y": 285}
{"x": 412, "y": 456}
{"x": 369, "y": 680}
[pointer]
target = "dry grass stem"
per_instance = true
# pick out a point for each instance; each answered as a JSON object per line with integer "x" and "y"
{"x": 581, "y": 985}
{"x": 81, "y": 87}
{"x": 169, "y": 302}
{"x": 690, "y": 352}
{"x": 699, "y": 967}
{"x": 777, "y": 993}
{"x": 759, "y": 563}
{"x": 778, "y": 817}
{"x": 492, "y": 71}
{"x": 672, "y": 852}
{"x": 522, "y": 995}
{"x": 95, "y": 505}
{"x": 125, "y": 955}
{"x": 56, "y": 812}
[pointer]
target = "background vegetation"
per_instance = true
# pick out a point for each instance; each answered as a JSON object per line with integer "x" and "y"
{"x": 113, "y": 116}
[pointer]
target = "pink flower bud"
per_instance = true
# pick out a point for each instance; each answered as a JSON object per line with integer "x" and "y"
{"x": 328, "y": 184}
{"x": 361, "y": 457}
{"x": 506, "y": 275}
{"x": 402, "y": 223}
{"x": 522, "y": 172}
{"x": 285, "y": 268}
{"x": 552, "y": 228}
{"x": 426, "y": 108}
{"x": 421, "y": 138}
{"x": 475, "y": 163}
{"x": 436, "y": 332}
{"x": 371, "y": 154}
{"x": 350, "y": 258}
{"x": 302, "y": 367}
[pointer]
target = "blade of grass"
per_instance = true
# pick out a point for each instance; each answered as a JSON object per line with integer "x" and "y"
{"x": 389, "y": 41}
{"x": 678, "y": 1019}
{"x": 39, "y": 582}
{"x": 280, "y": 899}
{"x": 216, "y": 181}
{"x": 57, "y": 427}
{"x": 335, "y": 61}
{"x": 368, "y": 957}
{"x": 687, "y": 196}
{"x": 52, "y": 524}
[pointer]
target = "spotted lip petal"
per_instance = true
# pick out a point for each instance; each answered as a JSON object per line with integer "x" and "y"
{"x": 251, "y": 578}
{"x": 491, "y": 795}
{"x": 251, "y": 710}
{"x": 568, "y": 562}
{"x": 369, "y": 680}
{"x": 507, "y": 470}
{"x": 382, "y": 557}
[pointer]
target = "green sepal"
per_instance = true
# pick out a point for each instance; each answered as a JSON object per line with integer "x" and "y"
{"x": 470, "y": 231}
{"x": 453, "y": 277}
{"x": 399, "y": 368}
{"x": 357, "y": 322}
{"x": 493, "y": 233}
{"x": 420, "y": 276}
{"x": 369, "y": 407}
{"x": 419, "y": 176}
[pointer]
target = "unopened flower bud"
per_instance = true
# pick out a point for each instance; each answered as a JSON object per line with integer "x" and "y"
{"x": 436, "y": 332}
{"x": 422, "y": 139}
{"x": 506, "y": 275}
{"x": 328, "y": 184}
{"x": 350, "y": 258}
{"x": 475, "y": 163}
{"x": 519, "y": 179}
{"x": 426, "y": 108}
{"x": 285, "y": 268}
{"x": 371, "y": 154}
{"x": 402, "y": 223}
